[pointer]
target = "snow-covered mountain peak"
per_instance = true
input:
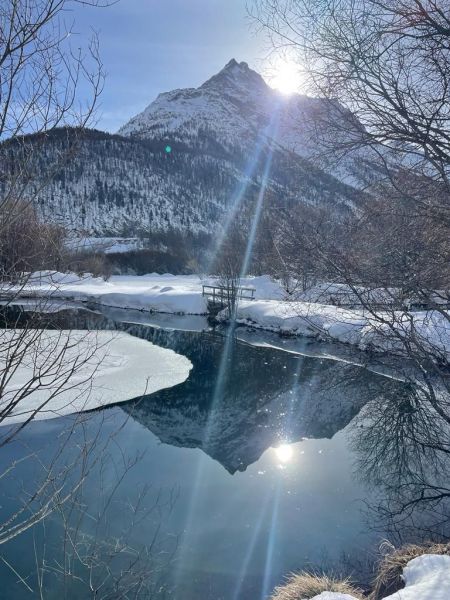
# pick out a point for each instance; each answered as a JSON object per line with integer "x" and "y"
{"x": 233, "y": 63}
{"x": 232, "y": 104}
{"x": 235, "y": 109}
{"x": 221, "y": 134}
{"x": 237, "y": 75}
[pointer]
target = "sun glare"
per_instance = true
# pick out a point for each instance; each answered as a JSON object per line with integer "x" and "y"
{"x": 284, "y": 453}
{"x": 285, "y": 77}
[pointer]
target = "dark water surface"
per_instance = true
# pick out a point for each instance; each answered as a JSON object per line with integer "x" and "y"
{"x": 249, "y": 464}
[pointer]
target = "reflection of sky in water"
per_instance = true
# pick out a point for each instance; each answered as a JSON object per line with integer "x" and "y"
{"x": 294, "y": 504}
{"x": 300, "y": 502}
{"x": 317, "y": 514}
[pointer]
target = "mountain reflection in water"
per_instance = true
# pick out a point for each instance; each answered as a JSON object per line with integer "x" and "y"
{"x": 268, "y": 398}
{"x": 304, "y": 494}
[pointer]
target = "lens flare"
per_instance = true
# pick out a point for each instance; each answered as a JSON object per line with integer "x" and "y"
{"x": 284, "y": 453}
{"x": 268, "y": 133}
{"x": 285, "y": 76}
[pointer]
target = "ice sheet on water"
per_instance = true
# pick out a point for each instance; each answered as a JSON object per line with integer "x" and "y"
{"x": 112, "y": 367}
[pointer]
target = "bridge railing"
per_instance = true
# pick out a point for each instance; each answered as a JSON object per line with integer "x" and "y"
{"x": 221, "y": 293}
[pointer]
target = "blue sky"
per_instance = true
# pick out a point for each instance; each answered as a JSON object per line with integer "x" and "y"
{"x": 152, "y": 46}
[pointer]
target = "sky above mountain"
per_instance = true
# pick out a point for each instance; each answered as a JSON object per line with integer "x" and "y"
{"x": 152, "y": 46}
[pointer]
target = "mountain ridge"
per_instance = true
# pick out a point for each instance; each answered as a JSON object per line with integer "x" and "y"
{"x": 183, "y": 161}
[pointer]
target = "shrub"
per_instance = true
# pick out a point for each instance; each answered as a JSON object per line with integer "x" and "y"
{"x": 305, "y": 586}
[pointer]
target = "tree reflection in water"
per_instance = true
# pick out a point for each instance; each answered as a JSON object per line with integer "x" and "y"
{"x": 398, "y": 426}
{"x": 402, "y": 445}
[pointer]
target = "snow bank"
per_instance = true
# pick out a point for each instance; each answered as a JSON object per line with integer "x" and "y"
{"x": 111, "y": 367}
{"x": 182, "y": 294}
{"x": 341, "y": 294}
{"x": 178, "y": 294}
{"x": 265, "y": 287}
{"x": 429, "y": 329}
{"x": 160, "y": 293}
{"x": 302, "y": 318}
{"x": 427, "y": 577}
{"x": 333, "y": 596}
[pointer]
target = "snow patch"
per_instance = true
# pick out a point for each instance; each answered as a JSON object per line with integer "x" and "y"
{"x": 427, "y": 577}
{"x": 333, "y": 596}
{"x": 354, "y": 327}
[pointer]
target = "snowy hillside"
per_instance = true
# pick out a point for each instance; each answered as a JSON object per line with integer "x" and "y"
{"x": 240, "y": 111}
{"x": 233, "y": 106}
{"x": 185, "y": 160}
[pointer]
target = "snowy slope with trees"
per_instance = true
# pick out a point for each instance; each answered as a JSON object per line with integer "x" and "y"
{"x": 187, "y": 159}
{"x": 240, "y": 111}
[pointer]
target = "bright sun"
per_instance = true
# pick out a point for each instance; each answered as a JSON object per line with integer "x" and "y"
{"x": 286, "y": 77}
{"x": 284, "y": 453}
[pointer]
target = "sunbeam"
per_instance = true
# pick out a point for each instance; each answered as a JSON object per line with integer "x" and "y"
{"x": 236, "y": 203}
{"x": 256, "y": 216}
{"x": 251, "y": 547}
{"x": 284, "y": 453}
{"x": 228, "y": 345}
{"x": 266, "y": 135}
{"x": 188, "y": 526}
{"x": 271, "y": 543}
{"x": 227, "y": 352}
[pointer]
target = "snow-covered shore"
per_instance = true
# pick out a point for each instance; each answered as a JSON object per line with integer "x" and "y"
{"x": 160, "y": 293}
{"x": 426, "y": 577}
{"x": 177, "y": 294}
{"x": 387, "y": 333}
{"x": 271, "y": 310}
{"x": 65, "y": 372}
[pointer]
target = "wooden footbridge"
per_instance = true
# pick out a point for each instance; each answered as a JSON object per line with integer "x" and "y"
{"x": 225, "y": 296}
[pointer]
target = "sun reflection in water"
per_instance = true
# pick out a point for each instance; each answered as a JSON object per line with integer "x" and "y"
{"x": 284, "y": 453}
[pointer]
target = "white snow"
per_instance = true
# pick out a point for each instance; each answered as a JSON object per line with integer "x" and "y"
{"x": 354, "y": 327}
{"x": 333, "y": 596}
{"x": 217, "y": 106}
{"x": 302, "y": 318}
{"x": 177, "y": 294}
{"x": 341, "y": 294}
{"x": 162, "y": 293}
{"x": 427, "y": 577}
{"x": 271, "y": 311}
{"x": 111, "y": 367}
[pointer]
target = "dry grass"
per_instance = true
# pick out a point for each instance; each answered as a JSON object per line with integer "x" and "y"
{"x": 305, "y": 586}
{"x": 389, "y": 578}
